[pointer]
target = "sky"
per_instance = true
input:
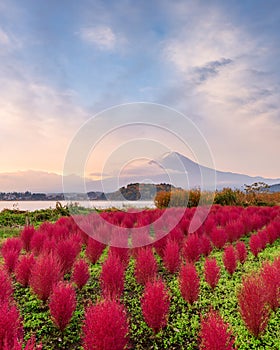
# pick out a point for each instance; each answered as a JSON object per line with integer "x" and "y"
{"x": 216, "y": 62}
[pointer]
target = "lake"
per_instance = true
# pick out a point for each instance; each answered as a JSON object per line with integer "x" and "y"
{"x": 34, "y": 205}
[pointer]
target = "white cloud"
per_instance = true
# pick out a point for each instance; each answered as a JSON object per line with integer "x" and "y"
{"x": 223, "y": 77}
{"x": 37, "y": 123}
{"x": 102, "y": 37}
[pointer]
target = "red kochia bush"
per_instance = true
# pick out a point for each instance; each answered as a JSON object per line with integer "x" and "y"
{"x": 255, "y": 244}
{"x": 189, "y": 283}
{"x": 215, "y": 333}
{"x": 205, "y": 245}
{"x": 67, "y": 252}
{"x": 211, "y": 272}
{"x": 11, "y": 329}
{"x": 62, "y": 304}
{"x": 218, "y": 237}
{"x": 155, "y": 305}
{"x": 276, "y": 263}
{"x": 241, "y": 251}
{"x": 31, "y": 345}
{"x": 6, "y": 290}
{"x": 191, "y": 248}
{"x": 122, "y": 254}
{"x": 252, "y": 304}
{"x": 94, "y": 250}
{"x": 80, "y": 274}
{"x": 26, "y": 236}
{"x": 37, "y": 242}
{"x": 15, "y": 344}
{"x": 112, "y": 277}
{"x": 105, "y": 326}
{"x": 10, "y": 259}
{"x": 11, "y": 244}
{"x": 264, "y": 238}
{"x": 160, "y": 243}
{"x": 23, "y": 269}
{"x": 271, "y": 278}
{"x": 146, "y": 266}
{"x": 44, "y": 275}
{"x": 10, "y": 251}
{"x": 229, "y": 259}
{"x": 171, "y": 256}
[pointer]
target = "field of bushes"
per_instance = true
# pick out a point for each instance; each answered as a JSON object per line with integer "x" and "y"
{"x": 87, "y": 281}
{"x": 255, "y": 195}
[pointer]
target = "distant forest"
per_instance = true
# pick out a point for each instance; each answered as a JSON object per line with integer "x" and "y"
{"x": 132, "y": 192}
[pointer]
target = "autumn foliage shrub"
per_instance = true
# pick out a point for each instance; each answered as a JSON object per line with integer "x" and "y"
{"x": 162, "y": 199}
{"x": 23, "y": 269}
{"x": 241, "y": 251}
{"x": 67, "y": 252}
{"x": 80, "y": 273}
{"x": 62, "y": 304}
{"x": 191, "y": 248}
{"x": 11, "y": 244}
{"x": 215, "y": 333}
{"x": 271, "y": 278}
{"x": 229, "y": 259}
{"x": 233, "y": 230}
{"x": 255, "y": 244}
{"x": 6, "y": 290}
{"x": 140, "y": 238}
{"x": 26, "y": 235}
{"x": 264, "y": 238}
{"x": 212, "y": 272}
{"x": 155, "y": 305}
{"x": 31, "y": 345}
{"x": 45, "y": 275}
{"x": 205, "y": 245}
{"x": 252, "y": 303}
{"x": 11, "y": 329}
{"x": 94, "y": 250}
{"x": 145, "y": 266}
{"x": 276, "y": 263}
{"x": 189, "y": 283}
{"x": 10, "y": 251}
{"x": 112, "y": 277}
{"x": 160, "y": 243}
{"x": 105, "y": 326}
{"x": 16, "y": 344}
{"x": 122, "y": 254}
{"x": 218, "y": 237}
{"x": 10, "y": 259}
{"x": 176, "y": 234}
{"x": 171, "y": 256}
{"x": 37, "y": 242}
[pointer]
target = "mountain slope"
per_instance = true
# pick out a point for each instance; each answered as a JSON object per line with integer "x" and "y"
{"x": 173, "y": 168}
{"x": 274, "y": 188}
{"x": 195, "y": 173}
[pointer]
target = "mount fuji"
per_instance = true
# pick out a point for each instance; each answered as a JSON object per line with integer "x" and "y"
{"x": 172, "y": 167}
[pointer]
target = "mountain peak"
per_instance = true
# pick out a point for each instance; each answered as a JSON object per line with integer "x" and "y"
{"x": 171, "y": 154}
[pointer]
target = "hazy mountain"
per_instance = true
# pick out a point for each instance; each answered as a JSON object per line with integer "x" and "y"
{"x": 30, "y": 180}
{"x": 172, "y": 168}
{"x": 195, "y": 172}
{"x": 274, "y": 188}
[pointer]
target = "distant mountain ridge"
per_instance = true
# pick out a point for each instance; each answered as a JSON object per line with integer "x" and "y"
{"x": 194, "y": 171}
{"x": 274, "y": 188}
{"x": 172, "y": 167}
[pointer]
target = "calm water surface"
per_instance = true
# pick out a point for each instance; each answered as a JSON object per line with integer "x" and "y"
{"x": 34, "y": 205}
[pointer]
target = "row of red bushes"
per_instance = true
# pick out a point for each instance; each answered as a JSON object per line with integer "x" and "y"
{"x": 40, "y": 259}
